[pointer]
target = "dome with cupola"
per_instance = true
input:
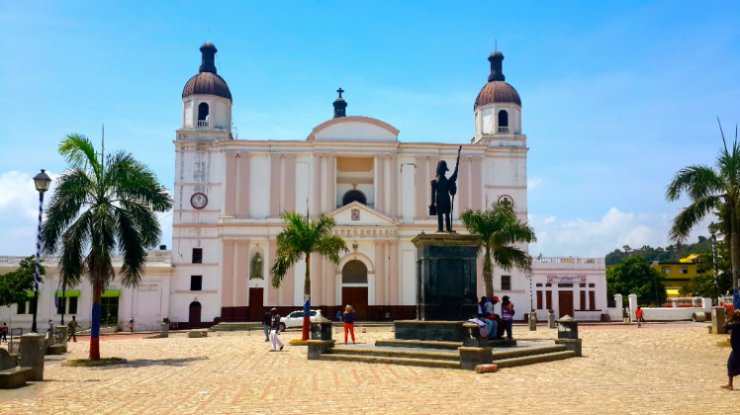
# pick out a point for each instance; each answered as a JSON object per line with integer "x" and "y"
{"x": 207, "y": 81}
{"x": 497, "y": 90}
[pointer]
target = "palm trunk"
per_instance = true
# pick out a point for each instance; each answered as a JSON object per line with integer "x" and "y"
{"x": 307, "y": 298}
{"x": 97, "y": 313}
{"x": 734, "y": 249}
{"x": 488, "y": 273}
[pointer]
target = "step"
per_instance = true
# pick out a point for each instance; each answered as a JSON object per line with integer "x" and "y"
{"x": 388, "y": 352}
{"x": 526, "y": 351}
{"x": 435, "y": 344}
{"x": 535, "y": 358}
{"x": 421, "y": 344}
{"x": 392, "y": 360}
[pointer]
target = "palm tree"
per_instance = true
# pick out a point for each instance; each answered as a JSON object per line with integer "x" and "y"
{"x": 302, "y": 238}
{"x": 102, "y": 206}
{"x": 499, "y": 229}
{"x": 711, "y": 191}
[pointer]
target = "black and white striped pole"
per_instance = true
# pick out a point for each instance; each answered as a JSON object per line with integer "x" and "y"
{"x": 42, "y": 182}
{"x": 713, "y": 231}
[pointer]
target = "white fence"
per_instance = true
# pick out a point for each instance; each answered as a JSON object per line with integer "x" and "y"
{"x": 675, "y": 313}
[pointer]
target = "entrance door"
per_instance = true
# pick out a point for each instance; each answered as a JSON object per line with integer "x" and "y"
{"x": 357, "y": 298}
{"x": 255, "y": 304}
{"x": 565, "y": 303}
{"x": 194, "y": 314}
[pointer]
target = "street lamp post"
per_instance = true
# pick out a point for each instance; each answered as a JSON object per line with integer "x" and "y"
{"x": 713, "y": 231}
{"x": 42, "y": 182}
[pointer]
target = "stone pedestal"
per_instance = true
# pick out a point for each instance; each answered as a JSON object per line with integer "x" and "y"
{"x": 317, "y": 347}
{"x": 446, "y": 276}
{"x": 574, "y": 345}
{"x": 165, "y": 331}
{"x": 470, "y": 357}
{"x": 718, "y": 320}
{"x": 33, "y": 346}
{"x": 532, "y": 320}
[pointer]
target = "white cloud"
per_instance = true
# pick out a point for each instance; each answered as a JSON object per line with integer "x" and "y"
{"x": 597, "y": 237}
{"x": 533, "y": 183}
{"x": 19, "y": 214}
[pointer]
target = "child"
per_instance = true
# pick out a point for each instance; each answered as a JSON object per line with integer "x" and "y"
{"x": 638, "y": 316}
{"x": 733, "y": 362}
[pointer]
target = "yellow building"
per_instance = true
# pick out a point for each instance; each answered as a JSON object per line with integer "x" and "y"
{"x": 676, "y": 274}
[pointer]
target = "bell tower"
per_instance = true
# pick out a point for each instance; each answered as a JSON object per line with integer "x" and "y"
{"x": 206, "y": 101}
{"x": 498, "y": 108}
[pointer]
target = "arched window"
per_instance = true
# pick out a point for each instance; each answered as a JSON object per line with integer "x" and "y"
{"x": 354, "y": 272}
{"x": 503, "y": 121}
{"x": 203, "y": 114}
{"x": 354, "y": 195}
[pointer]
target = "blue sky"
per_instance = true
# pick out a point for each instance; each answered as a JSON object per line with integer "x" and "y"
{"x": 617, "y": 96}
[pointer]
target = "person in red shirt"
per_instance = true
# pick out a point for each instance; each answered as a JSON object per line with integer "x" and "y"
{"x": 638, "y": 316}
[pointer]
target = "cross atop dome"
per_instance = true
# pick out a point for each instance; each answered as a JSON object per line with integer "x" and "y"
{"x": 340, "y": 105}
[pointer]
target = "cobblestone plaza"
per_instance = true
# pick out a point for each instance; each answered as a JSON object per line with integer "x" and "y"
{"x": 658, "y": 369}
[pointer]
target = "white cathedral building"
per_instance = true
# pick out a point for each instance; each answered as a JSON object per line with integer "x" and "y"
{"x": 230, "y": 193}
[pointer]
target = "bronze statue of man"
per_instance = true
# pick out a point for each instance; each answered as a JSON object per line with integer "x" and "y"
{"x": 443, "y": 194}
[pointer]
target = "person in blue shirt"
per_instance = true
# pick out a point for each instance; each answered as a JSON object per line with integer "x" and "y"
{"x": 733, "y": 362}
{"x": 338, "y": 316}
{"x": 349, "y": 322}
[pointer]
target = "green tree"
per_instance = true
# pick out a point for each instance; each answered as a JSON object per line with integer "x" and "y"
{"x": 14, "y": 285}
{"x": 711, "y": 192}
{"x": 499, "y": 229}
{"x": 102, "y": 206}
{"x": 635, "y": 276}
{"x": 299, "y": 239}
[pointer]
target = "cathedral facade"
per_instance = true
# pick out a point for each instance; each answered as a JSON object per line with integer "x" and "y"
{"x": 230, "y": 195}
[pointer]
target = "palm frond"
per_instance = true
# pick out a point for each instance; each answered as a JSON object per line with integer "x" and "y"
{"x": 691, "y": 215}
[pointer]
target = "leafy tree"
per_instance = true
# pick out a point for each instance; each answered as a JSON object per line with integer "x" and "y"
{"x": 15, "y": 284}
{"x": 712, "y": 191}
{"x": 499, "y": 229}
{"x": 102, "y": 206}
{"x": 636, "y": 276}
{"x": 299, "y": 239}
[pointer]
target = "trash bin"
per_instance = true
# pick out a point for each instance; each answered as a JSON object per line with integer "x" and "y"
{"x": 321, "y": 329}
{"x": 567, "y": 328}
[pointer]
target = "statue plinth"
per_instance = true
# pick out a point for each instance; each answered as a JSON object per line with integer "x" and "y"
{"x": 446, "y": 276}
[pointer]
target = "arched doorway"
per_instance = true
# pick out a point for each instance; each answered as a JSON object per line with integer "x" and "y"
{"x": 194, "y": 314}
{"x": 354, "y": 287}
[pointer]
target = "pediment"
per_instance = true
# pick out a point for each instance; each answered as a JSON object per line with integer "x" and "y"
{"x": 357, "y": 214}
{"x": 354, "y": 128}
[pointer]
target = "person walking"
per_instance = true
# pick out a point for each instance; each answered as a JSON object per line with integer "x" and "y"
{"x": 349, "y": 322}
{"x": 507, "y": 315}
{"x": 266, "y": 323}
{"x": 4, "y": 333}
{"x": 72, "y": 326}
{"x": 638, "y": 316}
{"x": 733, "y": 362}
{"x": 274, "y": 330}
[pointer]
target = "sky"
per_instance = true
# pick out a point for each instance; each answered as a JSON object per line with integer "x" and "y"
{"x": 616, "y": 96}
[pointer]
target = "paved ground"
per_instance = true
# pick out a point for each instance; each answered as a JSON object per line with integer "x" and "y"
{"x": 657, "y": 369}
